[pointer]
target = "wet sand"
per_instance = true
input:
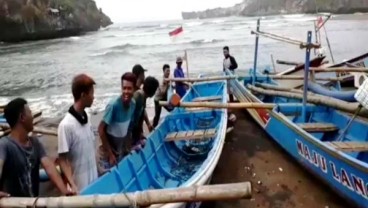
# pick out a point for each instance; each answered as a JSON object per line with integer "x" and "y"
{"x": 250, "y": 154}
{"x": 277, "y": 180}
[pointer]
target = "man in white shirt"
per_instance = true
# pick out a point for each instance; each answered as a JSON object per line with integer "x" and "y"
{"x": 76, "y": 140}
{"x": 229, "y": 63}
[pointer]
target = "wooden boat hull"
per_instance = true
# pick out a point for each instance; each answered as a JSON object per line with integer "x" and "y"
{"x": 345, "y": 173}
{"x": 167, "y": 164}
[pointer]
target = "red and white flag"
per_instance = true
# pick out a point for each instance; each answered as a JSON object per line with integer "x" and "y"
{"x": 319, "y": 22}
{"x": 176, "y": 32}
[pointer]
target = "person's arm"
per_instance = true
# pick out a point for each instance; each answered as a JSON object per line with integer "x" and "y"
{"x": 223, "y": 65}
{"x": 51, "y": 171}
{"x": 64, "y": 138}
{"x": 55, "y": 177}
{"x": 148, "y": 123}
{"x": 2, "y": 161}
{"x": 234, "y": 65}
{"x": 107, "y": 120}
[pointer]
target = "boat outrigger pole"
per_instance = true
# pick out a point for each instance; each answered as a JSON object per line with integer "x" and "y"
{"x": 256, "y": 54}
{"x": 306, "y": 73}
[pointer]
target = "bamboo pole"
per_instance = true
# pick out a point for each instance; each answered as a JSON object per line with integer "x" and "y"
{"x": 204, "y": 79}
{"x": 219, "y": 105}
{"x": 294, "y": 77}
{"x": 140, "y": 198}
{"x": 278, "y": 77}
{"x": 288, "y": 63}
{"x": 315, "y": 99}
{"x": 286, "y": 40}
{"x": 339, "y": 69}
{"x": 45, "y": 131}
{"x": 278, "y": 88}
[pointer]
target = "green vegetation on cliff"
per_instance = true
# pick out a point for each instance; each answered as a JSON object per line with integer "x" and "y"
{"x": 41, "y": 19}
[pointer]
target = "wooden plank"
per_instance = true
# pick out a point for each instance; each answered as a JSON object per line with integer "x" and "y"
{"x": 318, "y": 127}
{"x": 209, "y": 98}
{"x": 350, "y": 146}
{"x": 187, "y": 135}
{"x": 197, "y": 109}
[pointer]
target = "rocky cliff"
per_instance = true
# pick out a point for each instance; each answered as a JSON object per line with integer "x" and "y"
{"x": 273, "y": 7}
{"x": 22, "y": 20}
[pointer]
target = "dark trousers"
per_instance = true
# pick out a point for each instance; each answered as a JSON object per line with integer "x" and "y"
{"x": 158, "y": 109}
{"x": 231, "y": 97}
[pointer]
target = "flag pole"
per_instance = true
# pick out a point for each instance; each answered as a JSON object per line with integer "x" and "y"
{"x": 186, "y": 62}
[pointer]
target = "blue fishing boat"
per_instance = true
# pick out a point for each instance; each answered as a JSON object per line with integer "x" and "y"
{"x": 183, "y": 150}
{"x": 328, "y": 142}
{"x": 342, "y": 90}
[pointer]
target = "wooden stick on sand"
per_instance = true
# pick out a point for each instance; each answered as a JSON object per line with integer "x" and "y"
{"x": 140, "y": 198}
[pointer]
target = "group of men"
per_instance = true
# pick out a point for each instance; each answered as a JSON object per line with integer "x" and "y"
{"x": 80, "y": 159}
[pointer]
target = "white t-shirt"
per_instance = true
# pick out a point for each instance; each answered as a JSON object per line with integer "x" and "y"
{"x": 79, "y": 142}
{"x": 227, "y": 63}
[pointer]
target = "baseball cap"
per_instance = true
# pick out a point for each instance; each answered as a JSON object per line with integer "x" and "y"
{"x": 138, "y": 69}
{"x": 179, "y": 59}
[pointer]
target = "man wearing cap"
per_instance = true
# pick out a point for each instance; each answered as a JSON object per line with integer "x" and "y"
{"x": 139, "y": 71}
{"x": 180, "y": 87}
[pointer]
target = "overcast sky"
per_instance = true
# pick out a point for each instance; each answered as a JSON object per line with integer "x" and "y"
{"x": 151, "y": 10}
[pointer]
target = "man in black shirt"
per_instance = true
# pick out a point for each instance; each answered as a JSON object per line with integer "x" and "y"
{"x": 21, "y": 156}
{"x": 229, "y": 63}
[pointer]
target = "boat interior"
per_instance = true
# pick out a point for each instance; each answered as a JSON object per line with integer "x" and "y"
{"x": 176, "y": 152}
{"x": 325, "y": 124}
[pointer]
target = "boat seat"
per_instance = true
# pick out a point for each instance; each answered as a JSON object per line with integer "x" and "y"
{"x": 187, "y": 135}
{"x": 318, "y": 127}
{"x": 350, "y": 146}
{"x": 206, "y": 99}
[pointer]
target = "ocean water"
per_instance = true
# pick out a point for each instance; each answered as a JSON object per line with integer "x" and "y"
{"x": 42, "y": 71}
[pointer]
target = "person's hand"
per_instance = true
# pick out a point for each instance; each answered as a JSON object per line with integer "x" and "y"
{"x": 112, "y": 158}
{"x": 150, "y": 127}
{"x": 71, "y": 192}
{"x": 3, "y": 194}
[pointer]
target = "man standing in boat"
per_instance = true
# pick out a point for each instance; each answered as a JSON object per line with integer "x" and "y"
{"x": 161, "y": 95}
{"x": 76, "y": 140}
{"x": 180, "y": 87}
{"x": 21, "y": 155}
{"x": 229, "y": 63}
{"x": 114, "y": 127}
{"x": 140, "y": 96}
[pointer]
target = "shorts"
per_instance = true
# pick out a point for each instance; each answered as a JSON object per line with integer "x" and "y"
{"x": 103, "y": 159}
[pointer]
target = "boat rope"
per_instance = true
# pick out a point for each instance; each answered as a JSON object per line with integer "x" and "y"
{"x": 133, "y": 202}
{"x": 35, "y": 203}
{"x": 287, "y": 40}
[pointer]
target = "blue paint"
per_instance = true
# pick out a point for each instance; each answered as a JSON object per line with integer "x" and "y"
{"x": 170, "y": 164}
{"x": 306, "y": 73}
{"x": 338, "y": 94}
{"x": 256, "y": 53}
{"x": 345, "y": 172}
{"x": 2, "y": 119}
